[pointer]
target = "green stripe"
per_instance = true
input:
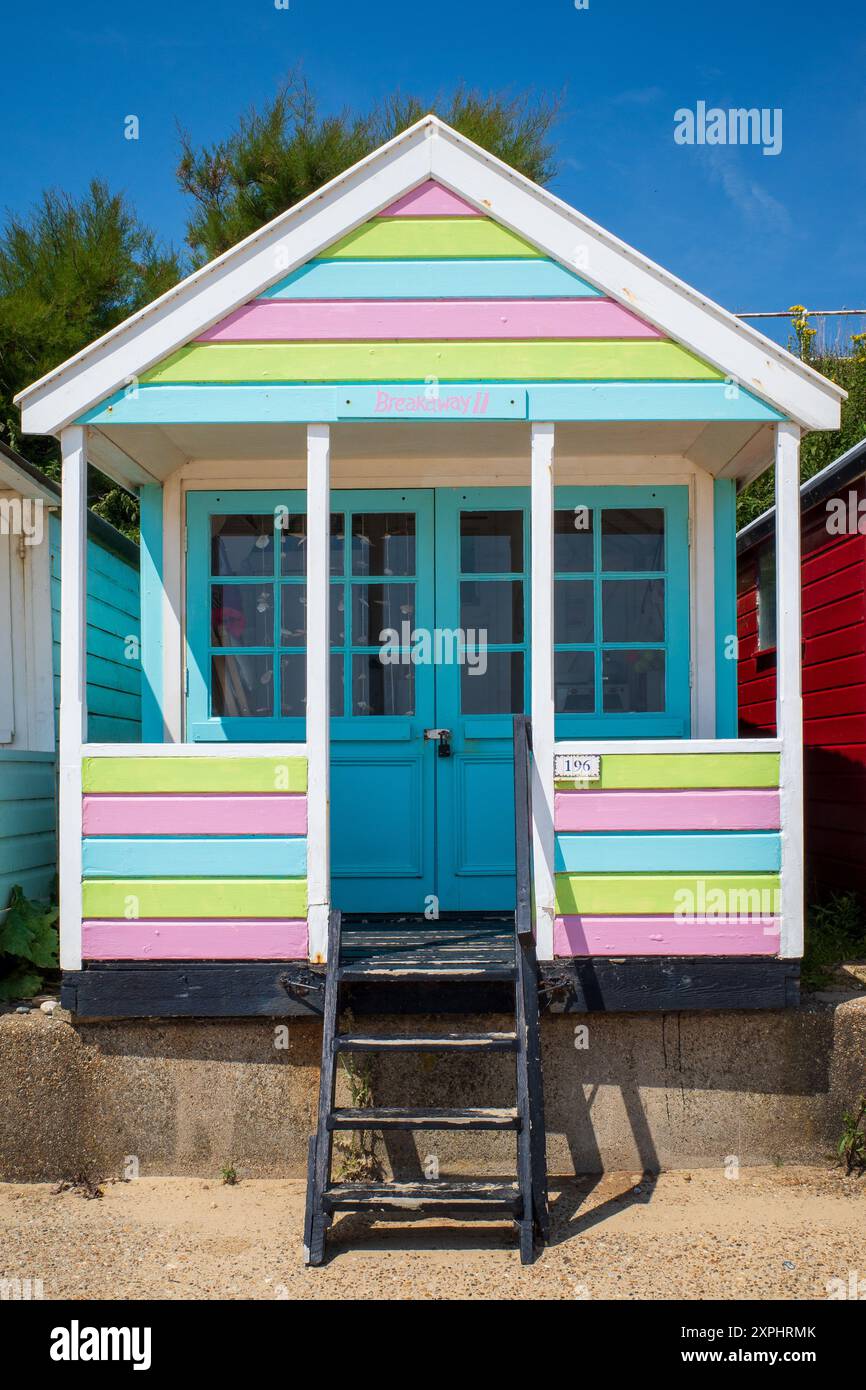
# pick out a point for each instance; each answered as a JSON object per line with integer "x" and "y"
{"x": 541, "y": 360}
{"x": 194, "y": 774}
{"x": 425, "y": 237}
{"x": 194, "y": 897}
{"x": 660, "y": 770}
{"x": 626, "y": 894}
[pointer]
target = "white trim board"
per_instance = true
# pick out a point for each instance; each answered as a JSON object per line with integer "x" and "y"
{"x": 73, "y": 688}
{"x": 194, "y": 750}
{"x": 430, "y": 148}
{"x": 668, "y": 745}
{"x": 318, "y": 690}
{"x": 7, "y": 663}
{"x": 789, "y": 696}
{"x": 542, "y": 701}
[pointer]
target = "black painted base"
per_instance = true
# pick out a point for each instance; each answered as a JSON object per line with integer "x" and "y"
{"x": 279, "y": 989}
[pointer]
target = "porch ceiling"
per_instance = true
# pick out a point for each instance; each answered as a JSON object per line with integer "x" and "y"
{"x": 138, "y": 454}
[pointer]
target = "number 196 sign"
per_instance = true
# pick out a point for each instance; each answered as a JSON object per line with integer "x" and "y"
{"x": 581, "y": 767}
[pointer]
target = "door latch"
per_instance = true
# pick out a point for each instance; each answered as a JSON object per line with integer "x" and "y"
{"x": 443, "y": 738}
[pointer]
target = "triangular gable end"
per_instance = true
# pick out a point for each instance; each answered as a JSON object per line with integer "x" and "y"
{"x": 380, "y": 213}
{"x": 430, "y": 288}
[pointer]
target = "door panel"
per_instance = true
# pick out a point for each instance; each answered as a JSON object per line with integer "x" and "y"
{"x": 382, "y": 769}
{"x": 482, "y": 592}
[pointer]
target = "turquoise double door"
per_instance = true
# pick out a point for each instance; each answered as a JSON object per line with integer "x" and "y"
{"x": 430, "y": 643}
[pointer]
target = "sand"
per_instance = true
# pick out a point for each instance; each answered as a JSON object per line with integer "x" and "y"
{"x": 771, "y": 1233}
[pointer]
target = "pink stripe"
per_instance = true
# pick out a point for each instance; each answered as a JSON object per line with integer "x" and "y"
{"x": 430, "y": 199}
{"x": 675, "y": 810}
{"x": 344, "y": 320}
{"x": 664, "y": 936}
{"x": 214, "y": 814}
{"x": 194, "y": 940}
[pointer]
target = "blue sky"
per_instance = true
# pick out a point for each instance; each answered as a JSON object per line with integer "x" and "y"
{"x": 753, "y": 231}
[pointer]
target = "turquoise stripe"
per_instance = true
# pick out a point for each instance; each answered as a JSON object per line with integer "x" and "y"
{"x": 140, "y": 856}
{"x": 710, "y": 852}
{"x": 445, "y": 279}
{"x": 645, "y": 400}
{"x": 150, "y": 498}
{"x": 725, "y": 562}
{"x": 586, "y": 401}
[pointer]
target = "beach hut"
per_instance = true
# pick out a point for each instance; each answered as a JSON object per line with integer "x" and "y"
{"x": 833, "y": 588}
{"x": 429, "y": 453}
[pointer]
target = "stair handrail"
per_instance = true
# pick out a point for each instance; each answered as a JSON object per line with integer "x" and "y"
{"x": 523, "y": 826}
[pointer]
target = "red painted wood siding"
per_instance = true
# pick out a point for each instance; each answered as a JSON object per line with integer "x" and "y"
{"x": 834, "y": 694}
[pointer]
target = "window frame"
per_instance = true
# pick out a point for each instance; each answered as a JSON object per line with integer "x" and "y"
{"x": 201, "y": 725}
{"x": 675, "y": 720}
{"x": 201, "y": 505}
{"x": 765, "y": 596}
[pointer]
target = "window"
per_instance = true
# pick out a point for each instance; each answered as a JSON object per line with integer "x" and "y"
{"x": 492, "y": 611}
{"x": 766, "y": 579}
{"x": 258, "y": 614}
{"x": 621, "y": 611}
{"x": 248, "y": 614}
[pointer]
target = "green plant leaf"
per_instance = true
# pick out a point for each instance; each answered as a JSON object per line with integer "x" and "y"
{"x": 20, "y": 983}
{"x": 30, "y": 932}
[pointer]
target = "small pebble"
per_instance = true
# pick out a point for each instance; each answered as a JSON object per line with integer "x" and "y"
{"x": 22, "y": 1009}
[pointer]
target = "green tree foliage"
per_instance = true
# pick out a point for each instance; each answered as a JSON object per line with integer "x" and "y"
{"x": 278, "y": 155}
{"x": 69, "y": 271}
{"x": 846, "y": 365}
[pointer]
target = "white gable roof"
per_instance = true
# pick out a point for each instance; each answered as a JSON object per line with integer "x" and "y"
{"x": 430, "y": 149}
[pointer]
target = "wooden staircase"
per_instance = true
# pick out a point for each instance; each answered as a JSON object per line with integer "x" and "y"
{"x": 394, "y": 952}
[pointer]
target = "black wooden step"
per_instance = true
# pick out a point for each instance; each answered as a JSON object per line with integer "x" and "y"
{"x": 437, "y": 1042}
{"x": 415, "y": 971}
{"x": 440, "y": 1197}
{"x": 415, "y": 952}
{"x": 395, "y": 1118}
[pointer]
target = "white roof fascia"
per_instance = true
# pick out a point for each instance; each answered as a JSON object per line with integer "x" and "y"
{"x": 14, "y": 479}
{"x": 739, "y": 351}
{"x": 119, "y": 357}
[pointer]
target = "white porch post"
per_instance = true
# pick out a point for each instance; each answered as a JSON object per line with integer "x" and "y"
{"x": 544, "y": 884}
{"x": 789, "y": 699}
{"x": 318, "y": 688}
{"x": 73, "y": 685}
{"x": 703, "y": 656}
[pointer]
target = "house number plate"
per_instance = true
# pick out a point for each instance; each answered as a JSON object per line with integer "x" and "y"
{"x": 583, "y": 767}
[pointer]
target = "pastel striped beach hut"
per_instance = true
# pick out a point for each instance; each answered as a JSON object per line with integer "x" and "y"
{"x": 428, "y": 453}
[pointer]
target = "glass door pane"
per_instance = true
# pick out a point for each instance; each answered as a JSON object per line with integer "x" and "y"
{"x": 492, "y": 610}
{"x": 620, "y": 648}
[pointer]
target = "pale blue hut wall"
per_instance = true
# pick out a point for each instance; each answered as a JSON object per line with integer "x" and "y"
{"x": 113, "y": 641}
{"x": 28, "y": 832}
